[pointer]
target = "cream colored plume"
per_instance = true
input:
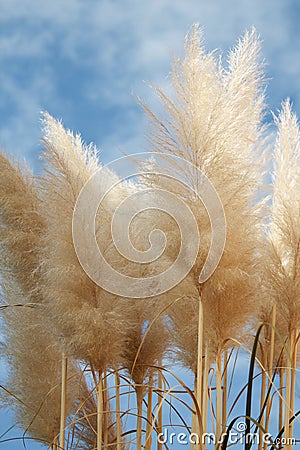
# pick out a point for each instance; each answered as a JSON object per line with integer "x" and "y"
{"x": 88, "y": 319}
{"x": 284, "y": 235}
{"x": 213, "y": 120}
{"x": 32, "y": 355}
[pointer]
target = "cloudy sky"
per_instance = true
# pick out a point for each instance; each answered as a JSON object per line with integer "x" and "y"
{"x": 84, "y": 61}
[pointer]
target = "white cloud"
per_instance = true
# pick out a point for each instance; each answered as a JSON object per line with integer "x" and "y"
{"x": 109, "y": 47}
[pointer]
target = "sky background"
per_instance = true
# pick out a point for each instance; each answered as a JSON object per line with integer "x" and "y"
{"x": 85, "y": 61}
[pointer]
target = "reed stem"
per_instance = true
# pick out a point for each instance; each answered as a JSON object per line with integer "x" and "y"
{"x": 63, "y": 402}
{"x": 194, "y": 428}
{"x": 160, "y": 411}
{"x": 288, "y": 394}
{"x": 149, "y": 421}
{"x": 99, "y": 413}
{"x": 293, "y": 380}
{"x": 263, "y": 389}
{"x": 219, "y": 395}
{"x": 139, "y": 400}
{"x": 105, "y": 410}
{"x": 205, "y": 396}
{"x": 281, "y": 384}
{"x": 118, "y": 412}
{"x": 199, "y": 379}
{"x": 224, "y": 397}
{"x": 270, "y": 372}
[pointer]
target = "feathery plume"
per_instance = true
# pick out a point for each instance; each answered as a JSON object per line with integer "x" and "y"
{"x": 86, "y": 317}
{"x": 214, "y": 122}
{"x": 32, "y": 354}
{"x": 284, "y": 233}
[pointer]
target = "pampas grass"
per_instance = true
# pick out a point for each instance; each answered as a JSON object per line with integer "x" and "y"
{"x": 214, "y": 121}
{"x": 34, "y": 377}
{"x": 79, "y": 311}
{"x": 85, "y": 364}
{"x": 285, "y": 245}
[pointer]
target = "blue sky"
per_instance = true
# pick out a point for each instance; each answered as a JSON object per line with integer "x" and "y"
{"x": 85, "y": 61}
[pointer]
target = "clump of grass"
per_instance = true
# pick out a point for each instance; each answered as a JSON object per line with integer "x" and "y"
{"x": 283, "y": 276}
{"x": 213, "y": 122}
{"x": 33, "y": 375}
{"x": 79, "y": 311}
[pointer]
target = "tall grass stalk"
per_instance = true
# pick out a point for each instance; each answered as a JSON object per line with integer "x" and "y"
{"x": 199, "y": 375}
{"x": 225, "y": 384}
{"x": 118, "y": 411}
{"x": 54, "y": 445}
{"x": 264, "y": 362}
{"x": 105, "y": 410}
{"x": 149, "y": 426}
{"x": 139, "y": 417}
{"x": 281, "y": 399}
{"x": 64, "y": 376}
{"x": 194, "y": 423}
{"x": 219, "y": 414}
{"x": 160, "y": 406}
{"x": 294, "y": 346}
{"x": 270, "y": 371}
{"x": 205, "y": 392}
{"x": 100, "y": 412}
{"x": 288, "y": 373}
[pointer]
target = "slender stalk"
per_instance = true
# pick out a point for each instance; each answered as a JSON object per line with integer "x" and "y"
{"x": 293, "y": 379}
{"x": 263, "y": 390}
{"x": 200, "y": 369}
{"x": 281, "y": 384}
{"x": 160, "y": 412}
{"x": 288, "y": 395}
{"x": 118, "y": 411}
{"x": 270, "y": 371}
{"x": 54, "y": 445}
{"x": 149, "y": 420}
{"x": 205, "y": 395}
{"x": 224, "y": 397}
{"x": 194, "y": 417}
{"x": 63, "y": 402}
{"x": 219, "y": 394}
{"x": 139, "y": 419}
{"x": 99, "y": 412}
{"x": 105, "y": 409}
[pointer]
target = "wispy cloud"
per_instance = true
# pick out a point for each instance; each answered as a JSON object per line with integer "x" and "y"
{"x": 83, "y": 60}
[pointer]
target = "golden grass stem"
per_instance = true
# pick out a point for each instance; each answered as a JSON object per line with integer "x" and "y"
{"x": 293, "y": 379}
{"x": 149, "y": 420}
{"x": 63, "y": 402}
{"x": 160, "y": 411}
{"x": 139, "y": 419}
{"x": 288, "y": 394}
{"x": 219, "y": 394}
{"x": 281, "y": 385}
{"x": 194, "y": 428}
{"x": 99, "y": 413}
{"x": 205, "y": 395}
{"x": 118, "y": 411}
{"x": 224, "y": 396}
{"x": 200, "y": 368}
{"x": 270, "y": 371}
{"x": 263, "y": 390}
{"x": 105, "y": 409}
